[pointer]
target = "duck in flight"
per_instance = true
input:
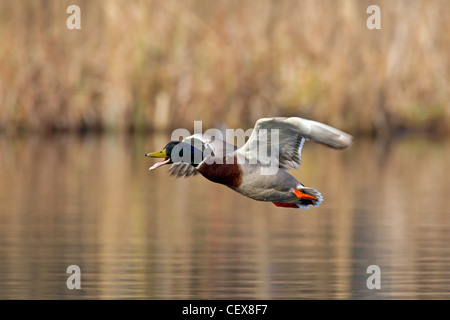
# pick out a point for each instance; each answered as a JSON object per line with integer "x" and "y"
{"x": 244, "y": 169}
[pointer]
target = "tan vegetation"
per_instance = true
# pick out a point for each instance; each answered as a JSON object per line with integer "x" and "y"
{"x": 163, "y": 64}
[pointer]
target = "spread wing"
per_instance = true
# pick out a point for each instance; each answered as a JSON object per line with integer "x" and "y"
{"x": 209, "y": 145}
{"x": 286, "y": 137}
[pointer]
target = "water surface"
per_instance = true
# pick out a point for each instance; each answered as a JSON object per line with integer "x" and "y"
{"x": 136, "y": 234}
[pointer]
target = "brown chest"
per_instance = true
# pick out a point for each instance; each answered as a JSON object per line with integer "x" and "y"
{"x": 229, "y": 174}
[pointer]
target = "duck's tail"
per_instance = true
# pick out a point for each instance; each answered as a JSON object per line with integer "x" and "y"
{"x": 306, "y": 197}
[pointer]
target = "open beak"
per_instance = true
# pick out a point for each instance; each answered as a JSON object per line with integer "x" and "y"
{"x": 159, "y": 154}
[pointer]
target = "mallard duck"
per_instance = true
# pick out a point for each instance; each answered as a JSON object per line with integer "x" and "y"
{"x": 244, "y": 170}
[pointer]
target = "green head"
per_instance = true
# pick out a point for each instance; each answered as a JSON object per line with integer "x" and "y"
{"x": 176, "y": 151}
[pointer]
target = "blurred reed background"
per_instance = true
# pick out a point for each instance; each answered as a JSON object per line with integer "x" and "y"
{"x": 154, "y": 65}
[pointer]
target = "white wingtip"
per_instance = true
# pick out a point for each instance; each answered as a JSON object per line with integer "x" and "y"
{"x": 322, "y": 133}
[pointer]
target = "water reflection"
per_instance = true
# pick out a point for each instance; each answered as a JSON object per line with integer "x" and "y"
{"x": 145, "y": 235}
